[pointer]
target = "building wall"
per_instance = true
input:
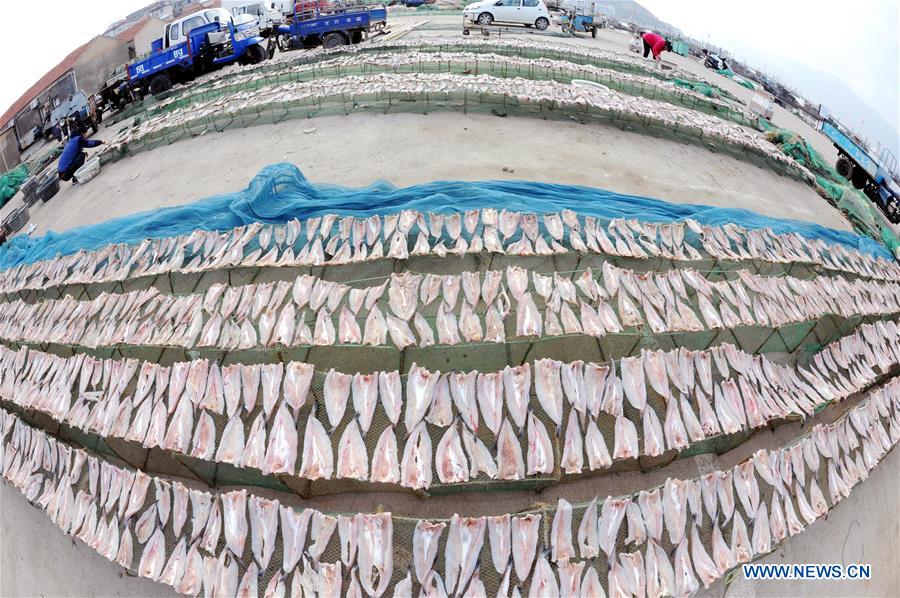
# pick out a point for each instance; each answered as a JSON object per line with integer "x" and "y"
{"x": 9, "y": 151}
{"x": 60, "y": 90}
{"x": 152, "y": 30}
{"x": 99, "y": 59}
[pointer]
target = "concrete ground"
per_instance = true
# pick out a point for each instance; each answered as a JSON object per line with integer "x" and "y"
{"x": 413, "y": 148}
{"x": 37, "y": 559}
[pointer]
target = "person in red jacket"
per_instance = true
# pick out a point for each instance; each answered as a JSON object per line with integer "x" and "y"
{"x": 655, "y": 44}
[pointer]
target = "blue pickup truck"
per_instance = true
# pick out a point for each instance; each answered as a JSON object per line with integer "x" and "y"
{"x": 196, "y": 44}
{"x": 871, "y": 175}
{"x": 316, "y": 22}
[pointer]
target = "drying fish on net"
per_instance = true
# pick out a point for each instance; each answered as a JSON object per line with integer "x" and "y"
{"x": 302, "y": 313}
{"x": 429, "y": 427}
{"x": 667, "y": 540}
{"x": 519, "y": 92}
{"x": 331, "y": 239}
{"x": 460, "y": 61}
{"x": 623, "y": 65}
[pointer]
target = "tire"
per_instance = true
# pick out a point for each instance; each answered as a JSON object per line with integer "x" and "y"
{"x": 160, "y": 84}
{"x": 542, "y": 23}
{"x": 594, "y": 32}
{"x": 256, "y": 54}
{"x": 485, "y": 18}
{"x": 858, "y": 178}
{"x": 844, "y": 167}
{"x": 334, "y": 40}
{"x": 94, "y": 127}
{"x": 284, "y": 42}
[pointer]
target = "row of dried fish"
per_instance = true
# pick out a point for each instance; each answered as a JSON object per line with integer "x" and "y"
{"x": 275, "y": 314}
{"x": 176, "y": 408}
{"x": 621, "y": 64}
{"x": 230, "y": 546}
{"x": 371, "y": 61}
{"x": 334, "y": 239}
{"x": 524, "y": 92}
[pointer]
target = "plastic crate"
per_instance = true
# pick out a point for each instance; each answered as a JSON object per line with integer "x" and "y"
{"x": 681, "y": 48}
{"x": 90, "y": 169}
{"x": 48, "y": 187}
{"x": 14, "y": 222}
{"x": 29, "y": 191}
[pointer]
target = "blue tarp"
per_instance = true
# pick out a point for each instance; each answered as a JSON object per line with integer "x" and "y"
{"x": 280, "y": 192}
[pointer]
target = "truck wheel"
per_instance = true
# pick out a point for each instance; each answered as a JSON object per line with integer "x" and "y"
{"x": 256, "y": 54}
{"x": 542, "y": 23}
{"x": 284, "y": 42}
{"x": 160, "y": 84}
{"x": 94, "y": 126}
{"x": 844, "y": 167}
{"x": 334, "y": 40}
{"x": 594, "y": 32}
{"x": 485, "y": 18}
{"x": 858, "y": 178}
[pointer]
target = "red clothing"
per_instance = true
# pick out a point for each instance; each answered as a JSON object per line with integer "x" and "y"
{"x": 656, "y": 42}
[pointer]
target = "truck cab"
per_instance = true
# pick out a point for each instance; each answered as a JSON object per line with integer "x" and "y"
{"x": 177, "y": 31}
{"x": 268, "y": 14}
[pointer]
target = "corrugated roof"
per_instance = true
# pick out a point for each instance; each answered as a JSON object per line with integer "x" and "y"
{"x": 128, "y": 34}
{"x": 44, "y": 82}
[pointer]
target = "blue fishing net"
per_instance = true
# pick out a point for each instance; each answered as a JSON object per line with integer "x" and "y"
{"x": 280, "y": 192}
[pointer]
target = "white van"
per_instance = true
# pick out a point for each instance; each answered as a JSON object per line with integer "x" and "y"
{"x": 521, "y": 12}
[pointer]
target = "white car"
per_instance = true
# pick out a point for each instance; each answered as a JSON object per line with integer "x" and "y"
{"x": 523, "y": 12}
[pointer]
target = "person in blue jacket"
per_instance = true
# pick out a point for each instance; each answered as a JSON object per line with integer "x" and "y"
{"x": 72, "y": 157}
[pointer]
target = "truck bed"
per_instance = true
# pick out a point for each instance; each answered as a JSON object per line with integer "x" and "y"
{"x": 850, "y": 148}
{"x": 354, "y": 17}
{"x": 160, "y": 61}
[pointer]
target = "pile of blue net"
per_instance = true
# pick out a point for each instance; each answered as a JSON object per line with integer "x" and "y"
{"x": 280, "y": 193}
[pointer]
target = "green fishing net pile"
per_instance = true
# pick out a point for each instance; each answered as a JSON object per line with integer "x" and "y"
{"x": 11, "y": 181}
{"x": 734, "y": 77}
{"x": 38, "y": 163}
{"x": 697, "y": 86}
{"x": 858, "y": 208}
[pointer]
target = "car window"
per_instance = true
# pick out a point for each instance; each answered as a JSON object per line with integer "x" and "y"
{"x": 510, "y": 3}
{"x": 192, "y": 23}
{"x": 530, "y": 3}
{"x": 173, "y": 32}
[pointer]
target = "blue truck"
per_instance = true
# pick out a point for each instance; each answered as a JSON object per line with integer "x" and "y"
{"x": 871, "y": 175}
{"x": 330, "y": 24}
{"x": 196, "y": 44}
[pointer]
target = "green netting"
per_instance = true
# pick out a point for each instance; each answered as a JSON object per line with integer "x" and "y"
{"x": 249, "y": 114}
{"x": 11, "y": 181}
{"x": 800, "y": 150}
{"x": 465, "y": 63}
{"x": 697, "y": 86}
{"x": 38, "y": 163}
{"x": 736, "y": 78}
{"x": 267, "y": 70}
